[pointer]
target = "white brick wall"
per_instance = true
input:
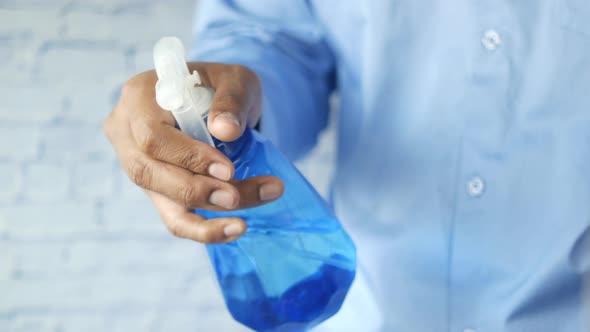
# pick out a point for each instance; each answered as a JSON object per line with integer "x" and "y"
{"x": 81, "y": 249}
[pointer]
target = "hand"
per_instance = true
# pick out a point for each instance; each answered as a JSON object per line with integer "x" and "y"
{"x": 180, "y": 173}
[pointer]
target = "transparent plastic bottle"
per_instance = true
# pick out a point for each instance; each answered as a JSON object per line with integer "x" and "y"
{"x": 293, "y": 267}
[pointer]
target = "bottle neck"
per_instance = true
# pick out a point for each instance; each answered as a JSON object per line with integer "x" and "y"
{"x": 235, "y": 150}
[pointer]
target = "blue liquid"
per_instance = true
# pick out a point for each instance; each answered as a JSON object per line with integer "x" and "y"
{"x": 295, "y": 264}
{"x": 300, "y": 307}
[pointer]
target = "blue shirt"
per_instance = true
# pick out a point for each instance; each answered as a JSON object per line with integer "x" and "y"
{"x": 463, "y": 165}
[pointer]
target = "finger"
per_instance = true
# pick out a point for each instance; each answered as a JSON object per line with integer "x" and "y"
{"x": 181, "y": 185}
{"x": 237, "y": 101}
{"x": 259, "y": 190}
{"x": 188, "y": 189}
{"x": 168, "y": 144}
{"x": 184, "y": 223}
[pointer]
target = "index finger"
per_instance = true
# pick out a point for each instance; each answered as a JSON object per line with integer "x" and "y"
{"x": 168, "y": 144}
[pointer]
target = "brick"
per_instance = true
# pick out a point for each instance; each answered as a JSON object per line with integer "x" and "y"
{"x": 35, "y": 260}
{"x": 30, "y": 104}
{"x": 126, "y": 189}
{"x": 31, "y": 4}
{"x": 133, "y": 30}
{"x": 87, "y": 61}
{"x": 92, "y": 180}
{"x": 88, "y": 24}
{"x": 186, "y": 321}
{"x": 125, "y": 27}
{"x": 126, "y": 17}
{"x": 21, "y": 295}
{"x": 80, "y": 259}
{"x": 10, "y": 182}
{"x": 97, "y": 292}
{"x": 21, "y": 36}
{"x": 97, "y": 257}
{"x": 132, "y": 216}
{"x": 23, "y": 143}
{"x": 47, "y": 260}
{"x": 58, "y": 220}
{"x": 46, "y": 182}
{"x": 93, "y": 256}
{"x": 17, "y": 55}
{"x": 143, "y": 58}
{"x": 111, "y": 7}
{"x": 65, "y": 142}
{"x": 141, "y": 321}
{"x": 92, "y": 103}
{"x": 6, "y": 323}
{"x": 40, "y": 20}
{"x": 77, "y": 321}
{"x": 127, "y": 22}
{"x": 177, "y": 321}
{"x": 9, "y": 262}
{"x": 83, "y": 322}
{"x": 27, "y": 323}
{"x": 129, "y": 256}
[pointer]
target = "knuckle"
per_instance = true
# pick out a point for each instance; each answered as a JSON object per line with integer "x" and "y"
{"x": 241, "y": 70}
{"x": 175, "y": 228}
{"x": 246, "y": 74}
{"x": 148, "y": 141}
{"x": 112, "y": 124}
{"x": 191, "y": 196}
{"x": 237, "y": 68}
{"x": 139, "y": 86}
{"x": 129, "y": 89}
{"x": 132, "y": 87}
{"x": 187, "y": 196}
{"x": 139, "y": 171}
{"x": 193, "y": 160}
{"x": 107, "y": 125}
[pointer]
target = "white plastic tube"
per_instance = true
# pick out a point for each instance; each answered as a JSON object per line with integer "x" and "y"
{"x": 179, "y": 92}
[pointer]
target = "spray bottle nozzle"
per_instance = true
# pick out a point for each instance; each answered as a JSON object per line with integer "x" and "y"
{"x": 176, "y": 90}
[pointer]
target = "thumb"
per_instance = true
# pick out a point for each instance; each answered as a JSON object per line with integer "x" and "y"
{"x": 237, "y": 102}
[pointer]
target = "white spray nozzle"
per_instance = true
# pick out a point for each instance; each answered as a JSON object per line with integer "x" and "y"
{"x": 177, "y": 90}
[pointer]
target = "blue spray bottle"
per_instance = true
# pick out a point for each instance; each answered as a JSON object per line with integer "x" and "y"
{"x": 292, "y": 269}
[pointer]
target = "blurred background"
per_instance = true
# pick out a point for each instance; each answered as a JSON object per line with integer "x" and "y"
{"x": 81, "y": 248}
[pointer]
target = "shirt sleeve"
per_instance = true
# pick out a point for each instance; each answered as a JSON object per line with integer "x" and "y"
{"x": 283, "y": 43}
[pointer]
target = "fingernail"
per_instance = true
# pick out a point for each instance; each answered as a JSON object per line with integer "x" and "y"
{"x": 228, "y": 118}
{"x": 222, "y": 198}
{"x": 219, "y": 171}
{"x": 232, "y": 230}
{"x": 270, "y": 191}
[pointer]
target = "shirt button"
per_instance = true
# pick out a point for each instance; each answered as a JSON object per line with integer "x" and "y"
{"x": 491, "y": 40}
{"x": 475, "y": 187}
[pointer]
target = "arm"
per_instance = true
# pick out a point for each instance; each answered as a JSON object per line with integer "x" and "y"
{"x": 181, "y": 174}
{"x": 284, "y": 45}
